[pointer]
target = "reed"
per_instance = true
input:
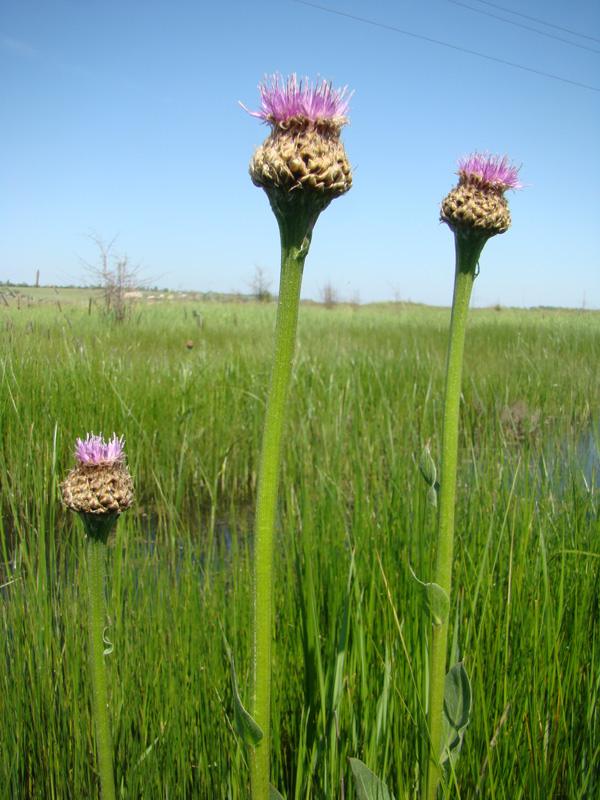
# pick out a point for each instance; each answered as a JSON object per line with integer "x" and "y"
{"x": 366, "y": 394}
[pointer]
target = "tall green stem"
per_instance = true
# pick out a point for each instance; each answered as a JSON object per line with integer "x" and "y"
{"x": 295, "y": 232}
{"x": 97, "y": 535}
{"x": 467, "y": 256}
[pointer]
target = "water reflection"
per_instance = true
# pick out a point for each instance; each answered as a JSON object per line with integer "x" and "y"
{"x": 573, "y": 458}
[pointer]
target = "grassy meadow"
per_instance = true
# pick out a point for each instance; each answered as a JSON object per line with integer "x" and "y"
{"x": 351, "y": 643}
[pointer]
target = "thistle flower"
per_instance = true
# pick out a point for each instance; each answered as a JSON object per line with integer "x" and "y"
{"x": 303, "y": 153}
{"x": 477, "y": 206}
{"x": 100, "y": 484}
{"x": 302, "y": 166}
{"x": 99, "y": 489}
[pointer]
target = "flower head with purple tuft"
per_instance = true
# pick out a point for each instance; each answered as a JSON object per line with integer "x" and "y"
{"x": 477, "y": 207}
{"x": 302, "y": 162}
{"x": 100, "y": 484}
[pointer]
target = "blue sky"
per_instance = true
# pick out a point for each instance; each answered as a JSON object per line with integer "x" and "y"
{"x": 122, "y": 117}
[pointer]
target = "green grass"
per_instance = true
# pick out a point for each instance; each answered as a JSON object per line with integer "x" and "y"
{"x": 351, "y": 649}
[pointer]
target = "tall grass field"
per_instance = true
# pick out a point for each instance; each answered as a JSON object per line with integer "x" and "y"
{"x": 186, "y": 382}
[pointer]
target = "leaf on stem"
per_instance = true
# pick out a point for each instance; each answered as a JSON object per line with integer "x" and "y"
{"x": 368, "y": 786}
{"x": 428, "y": 470}
{"x": 434, "y": 600}
{"x": 458, "y": 704}
{"x": 108, "y": 645}
{"x": 247, "y": 728}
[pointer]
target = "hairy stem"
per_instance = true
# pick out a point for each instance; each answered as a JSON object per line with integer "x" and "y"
{"x": 96, "y": 549}
{"x": 467, "y": 256}
{"x": 295, "y": 240}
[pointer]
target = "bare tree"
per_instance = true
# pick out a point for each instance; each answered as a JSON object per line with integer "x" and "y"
{"x": 260, "y": 284}
{"x": 396, "y": 291}
{"x": 114, "y": 274}
{"x": 329, "y": 295}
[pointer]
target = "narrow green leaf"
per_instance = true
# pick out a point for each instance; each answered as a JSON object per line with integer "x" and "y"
{"x": 458, "y": 704}
{"x": 146, "y": 753}
{"x": 245, "y": 725}
{"x": 368, "y": 786}
{"x": 434, "y": 600}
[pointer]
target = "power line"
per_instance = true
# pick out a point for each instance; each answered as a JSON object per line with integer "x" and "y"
{"x": 525, "y": 27}
{"x": 446, "y": 44}
{"x": 541, "y": 21}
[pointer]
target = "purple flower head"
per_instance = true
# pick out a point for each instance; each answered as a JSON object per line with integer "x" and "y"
{"x": 282, "y": 102}
{"x": 94, "y": 450}
{"x": 495, "y": 171}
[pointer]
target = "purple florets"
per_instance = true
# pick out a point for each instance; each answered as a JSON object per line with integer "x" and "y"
{"x": 282, "y": 102}
{"x": 494, "y": 170}
{"x": 94, "y": 450}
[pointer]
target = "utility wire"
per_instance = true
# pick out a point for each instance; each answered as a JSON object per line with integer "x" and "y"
{"x": 541, "y": 21}
{"x": 445, "y": 44}
{"x": 525, "y": 27}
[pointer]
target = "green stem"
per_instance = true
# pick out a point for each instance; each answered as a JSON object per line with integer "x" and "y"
{"x": 295, "y": 230}
{"x": 97, "y": 529}
{"x": 467, "y": 256}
